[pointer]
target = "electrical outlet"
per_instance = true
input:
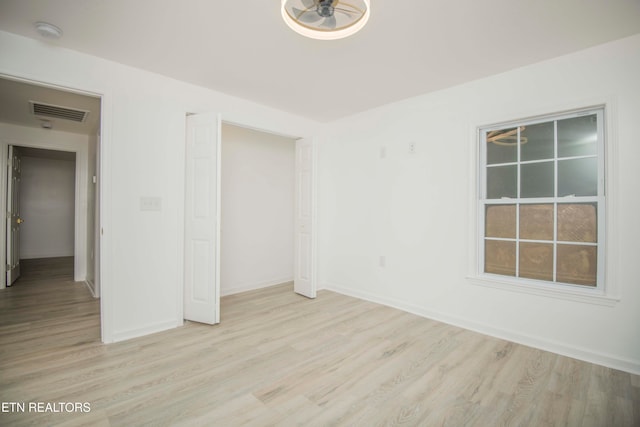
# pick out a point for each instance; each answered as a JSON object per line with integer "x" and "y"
{"x": 382, "y": 261}
{"x": 412, "y": 148}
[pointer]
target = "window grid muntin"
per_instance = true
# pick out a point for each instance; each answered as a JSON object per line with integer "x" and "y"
{"x": 555, "y": 202}
{"x": 528, "y": 162}
{"x": 560, "y": 242}
{"x": 518, "y": 190}
{"x": 598, "y": 199}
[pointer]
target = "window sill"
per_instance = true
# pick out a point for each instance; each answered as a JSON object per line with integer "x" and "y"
{"x": 578, "y": 295}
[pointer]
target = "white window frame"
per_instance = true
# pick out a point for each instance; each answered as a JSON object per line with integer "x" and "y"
{"x": 601, "y": 293}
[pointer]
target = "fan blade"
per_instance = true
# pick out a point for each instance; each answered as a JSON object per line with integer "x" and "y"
{"x": 308, "y": 16}
{"x": 329, "y": 22}
{"x": 347, "y": 12}
{"x": 353, "y": 8}
{"x": 308, "y": 4}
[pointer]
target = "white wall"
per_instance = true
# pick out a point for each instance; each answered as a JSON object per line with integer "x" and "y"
{"x": 142, "y": 144}
{"x": 47, "y": 205}
{"x": 256, "y": 248}
{"x": 414, "y": 210}
{"x": 417, "y": 210}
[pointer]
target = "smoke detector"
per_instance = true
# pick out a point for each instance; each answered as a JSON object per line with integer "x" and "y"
{"x": 48, "y": 31}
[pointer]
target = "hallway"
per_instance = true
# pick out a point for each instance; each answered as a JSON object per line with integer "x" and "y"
{"x": 44, "y": 304}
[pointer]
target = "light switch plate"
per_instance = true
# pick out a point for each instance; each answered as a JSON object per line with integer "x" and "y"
{"x": 150, "y": 204}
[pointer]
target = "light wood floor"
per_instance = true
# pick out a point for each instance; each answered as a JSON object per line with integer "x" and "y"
{"x": 278, "y": 359}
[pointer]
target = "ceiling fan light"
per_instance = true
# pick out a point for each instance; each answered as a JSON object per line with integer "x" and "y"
{"x": 352, "y": 17}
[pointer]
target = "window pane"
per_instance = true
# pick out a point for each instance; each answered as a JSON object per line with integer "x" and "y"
{"x": 577, "y": 264}
{"x": 537, "y": 142}
{"x": 536, "y": 180}
{"x": 542, "y": 182}
{"x": 500, "y": 221}
{"x": 578, "y": 136}
{"x": 501, "y": 182}
{"x": 500, "y": 257}
{"x": 577, "y": 222}
{"x": 536, "y": 222}
{"x": 502, "y": 146}
{"x": 578, "y": 177}
{"x": 536, "y": 261}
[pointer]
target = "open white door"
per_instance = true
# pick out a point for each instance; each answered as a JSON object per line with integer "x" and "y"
{"x": 202, "y": 219}
{"x": 13, "y": 215}
{"x": 304, "y": 281}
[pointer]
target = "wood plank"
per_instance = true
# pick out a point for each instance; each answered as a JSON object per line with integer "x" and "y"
{"x": 281, "y": 359}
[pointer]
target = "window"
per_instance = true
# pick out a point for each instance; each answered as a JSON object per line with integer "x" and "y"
{"x": 542, "y": 200}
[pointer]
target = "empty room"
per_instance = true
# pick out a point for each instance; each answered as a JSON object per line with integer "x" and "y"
{"x": 321, "y": 212}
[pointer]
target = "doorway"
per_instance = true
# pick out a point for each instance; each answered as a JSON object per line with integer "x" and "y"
{"x": 46, "y": 209}
{"x": 257, "y": 207}
{"x": 202, "y": 232}
{"x": 52, "y": 124}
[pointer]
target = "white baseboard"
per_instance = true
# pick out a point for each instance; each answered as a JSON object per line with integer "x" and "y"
{"x": 253, "y": 286}
{"x": 586, "y": 355}
{"x": 44, "y": 255}
{"x": 170, "y": 324}
{"x": 92, "y": 288}
{"x": 146, "y": 330}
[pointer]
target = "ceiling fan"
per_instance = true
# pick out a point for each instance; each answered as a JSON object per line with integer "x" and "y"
{"x": 328, "y": 16}
{"x": 325, "y": 10}
{"x": 507, "y": 137}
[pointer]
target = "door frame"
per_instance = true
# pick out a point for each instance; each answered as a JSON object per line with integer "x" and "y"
{"x": 249, "y": 124}
{"x": 12, "y": 197}
{"x": 80, "y": 215}
{"x": 240, "y": 120}
{"x": 102, "y": 173}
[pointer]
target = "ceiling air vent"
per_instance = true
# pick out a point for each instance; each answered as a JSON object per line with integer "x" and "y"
{"x": 58, "y": 112}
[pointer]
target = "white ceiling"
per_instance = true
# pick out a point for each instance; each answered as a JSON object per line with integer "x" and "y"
{"x": 409, "y": 47}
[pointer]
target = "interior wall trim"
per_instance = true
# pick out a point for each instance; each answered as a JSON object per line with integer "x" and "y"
{"x": 255, "y": 285}
{"x": 587, "y": 355}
